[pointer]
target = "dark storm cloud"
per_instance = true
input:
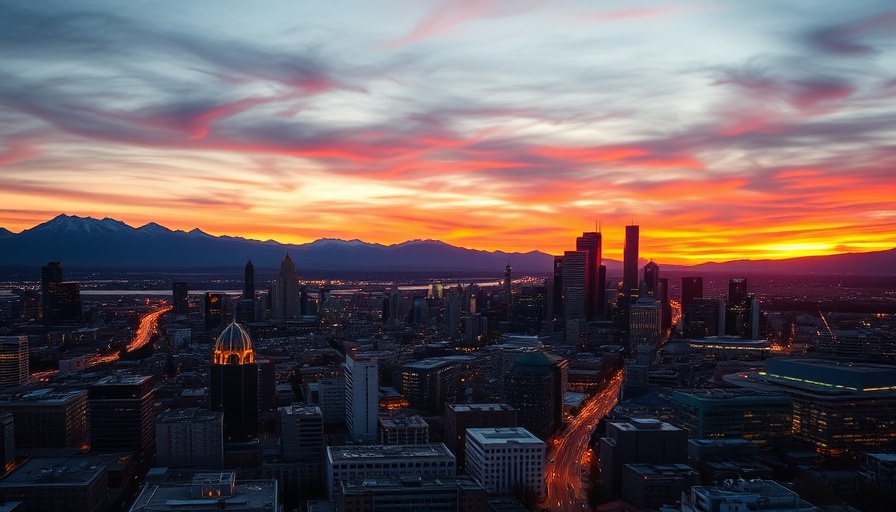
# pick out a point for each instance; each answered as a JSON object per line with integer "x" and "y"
{"x": 854, "y": 37}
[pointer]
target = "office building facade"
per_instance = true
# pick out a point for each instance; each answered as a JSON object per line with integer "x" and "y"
{"x": 505, "y": 460}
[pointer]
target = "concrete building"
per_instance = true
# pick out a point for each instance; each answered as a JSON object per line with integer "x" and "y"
{"x": 285, "y": 292}
{"x": 13, "y": 360}
{"x": 878, "y": 471}
{"x": 649, "y": 441}
{"x": 838, "y": 408}
{"x": 233, "y": 383}
{"x": 650, "y": 486}
{"x": 120, "y": 413}
{"x": 444, "y": 494}
{"x": 190, "y": 437}
{"x": 7, "y": 442}
{"x": 429, "y": 383}
{"x": 302, "y": 434}
{"x": 331, "y": 398}
{"x": 755, "y": 496}
{"x": 210, "y": 492}
{"x": 49, "y": 419}
{"x": 504, "y": 460}
{"x": 361, "y": 397}
{"x": 367, "y": 462}
{"x": 402, "y": 428}
{"x": 760, "y": 417}
{"x": 645, "y": 321}
{"x": 535, "y": 387}
{"x": 57, "y": 484}
{"x": 459, "y": 417}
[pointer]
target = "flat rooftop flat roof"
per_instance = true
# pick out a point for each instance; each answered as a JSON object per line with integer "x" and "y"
{"x": 45, "y": 397}
{"x": 820, "y": 374}
{"x": 662, "y": 469}
{"x": 56, "y": 471}
{"x": 246, "y": 495}
{"x": 377, "y": 452}
{"x": 504, "y": 435}
{"x": 480, "y": 407}
{"x": 189, "y": 415}
{"x": 644, "y": 424}
{"x": 402, "y": 421}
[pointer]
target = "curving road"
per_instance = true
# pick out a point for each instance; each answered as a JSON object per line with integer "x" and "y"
{"x": 149, "y": 325}
{"x": 570, "y": 452}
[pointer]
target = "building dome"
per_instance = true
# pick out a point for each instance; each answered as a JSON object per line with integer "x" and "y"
{"x": 234, "y": 346}
{"x": 533, "y": 363}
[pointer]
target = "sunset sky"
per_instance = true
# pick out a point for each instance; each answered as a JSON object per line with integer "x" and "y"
{"x": 726, "y": 130}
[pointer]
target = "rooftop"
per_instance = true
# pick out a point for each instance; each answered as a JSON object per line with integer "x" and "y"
{"x": 189, "y": 415}
{"x": 301, "y": 410}
{"x": 57, "y": 471}
{"x": 254, "y": 495}
{"x": 402, "y": 421}
{"x": 657, "y": 470}
{"x": 45, "y": 397}
{"x": 375, "y": 452}
{"x": 643, "y": 424}
{"x": 823, "y": 375}
{"x": 411, "y": 483}
{"x": 480, "y": 407}
{"x": 505, "y": 435}
{"x": 428, "y": 364}
{"x": 729, "y": 394}
{"x": 122, "y": 379}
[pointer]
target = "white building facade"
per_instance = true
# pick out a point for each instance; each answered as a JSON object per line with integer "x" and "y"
{"x": 505, "y": 459}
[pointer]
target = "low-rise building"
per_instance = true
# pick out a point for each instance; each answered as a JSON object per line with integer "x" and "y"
{"x": 190, "y": 437}
{"x": 364, "y": 462}
{"x": 403, "y": 429}
{"x": 210, "y": 492}
{"x": 650, "y": 486}
{"x": 506, "y": 459}
{"x": 755, "y": 496}
{"x": 449, "y": 494}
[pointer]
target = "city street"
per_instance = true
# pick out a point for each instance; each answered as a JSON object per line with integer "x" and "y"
{"x": 569, "y": 451}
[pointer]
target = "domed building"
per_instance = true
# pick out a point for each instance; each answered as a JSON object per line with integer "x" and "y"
{"x": 234, "y": 383}
{"x": 535, "y": 387}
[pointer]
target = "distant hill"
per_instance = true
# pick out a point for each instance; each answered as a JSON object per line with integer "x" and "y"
{"x": 109, "y": 243}
{"x": 89, "y": 242}
{"x": 865, "y": 263}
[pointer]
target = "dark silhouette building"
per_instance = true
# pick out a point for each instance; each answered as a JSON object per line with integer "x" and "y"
{"x": 50, "y": 275}
{"x": 234, "y": 383}
{"x": 460, "y": 417}
{"x": 214, "y": 310}
{"x": 594, "y": 288}
{"x": 60, "y": 300}
{"x": 557, "y": 291}
{"x": 249, "y": 282}
{"x": 691, "y": 288}
{"x": 179, "y": 299}
{"x": 285, "y": 291}
{"x": 630, "y": 262}
{"x": 737, "y": 309}
{"x": 702, "y": 318}
{"x": 652, "y": 279}
{"x": 120, "y": 414}
{"x": 535, "y": 387}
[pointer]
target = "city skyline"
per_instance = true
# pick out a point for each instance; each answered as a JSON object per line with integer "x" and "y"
{"x": 726, "y": 131}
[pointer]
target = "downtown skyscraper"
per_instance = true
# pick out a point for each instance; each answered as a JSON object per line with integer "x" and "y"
{"x": 597, "y": 282}
{"x": 630, "y": 261}
{"x": 285, "y": 291}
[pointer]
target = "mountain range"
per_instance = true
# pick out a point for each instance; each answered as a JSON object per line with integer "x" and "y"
{"x": 108, "y": 243}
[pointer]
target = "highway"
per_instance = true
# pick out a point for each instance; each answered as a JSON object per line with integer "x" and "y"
{"x": 571, "y": 455}
{"x": 149, "y": 325}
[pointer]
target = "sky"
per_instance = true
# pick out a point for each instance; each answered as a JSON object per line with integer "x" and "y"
{"x": 726, "y": 130}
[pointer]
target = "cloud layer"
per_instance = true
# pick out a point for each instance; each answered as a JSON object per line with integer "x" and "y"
{"x": 725, "y": 130}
